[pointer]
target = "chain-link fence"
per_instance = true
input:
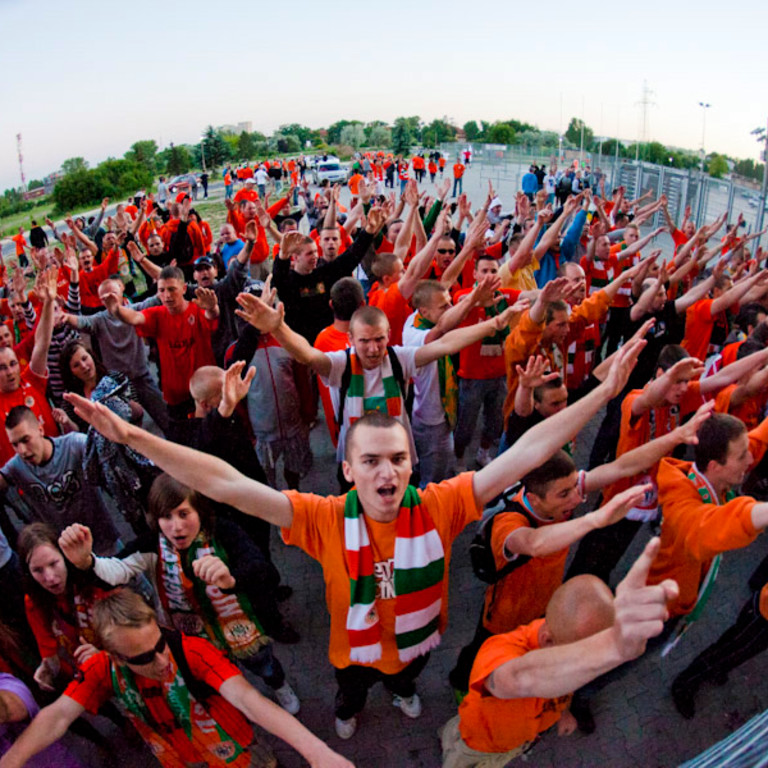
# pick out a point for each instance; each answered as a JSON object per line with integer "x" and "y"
{"x": 504, "y": 166}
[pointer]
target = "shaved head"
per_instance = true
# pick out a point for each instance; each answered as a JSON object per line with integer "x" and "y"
{"x": 579, "y": 608}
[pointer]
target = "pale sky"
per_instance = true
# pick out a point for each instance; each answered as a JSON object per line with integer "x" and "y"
{"x": 90, "y": 78}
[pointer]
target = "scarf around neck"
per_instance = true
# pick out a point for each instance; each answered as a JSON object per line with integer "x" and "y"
{"x": 449, "y": 385}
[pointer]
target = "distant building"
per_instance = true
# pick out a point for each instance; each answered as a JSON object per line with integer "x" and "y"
{"x": 237, "y": 128}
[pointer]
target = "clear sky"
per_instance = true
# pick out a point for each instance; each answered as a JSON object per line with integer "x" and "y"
{"x": 90, "y": 78}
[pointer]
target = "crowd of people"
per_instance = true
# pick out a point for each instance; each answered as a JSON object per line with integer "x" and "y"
{"x": 158, "y": 388}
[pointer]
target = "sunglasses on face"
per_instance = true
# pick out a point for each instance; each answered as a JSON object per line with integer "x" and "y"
{"x": 446, "y": 250}
{"x": 147, "y": 657}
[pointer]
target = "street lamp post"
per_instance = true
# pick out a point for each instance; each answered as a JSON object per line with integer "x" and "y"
{"x": 704, "y": 107}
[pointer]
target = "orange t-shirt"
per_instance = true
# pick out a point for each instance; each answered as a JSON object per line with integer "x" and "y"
{"x": 318, "y": 529}
{"x": 458, "y": 170}
{"x": 354, "y": 184}
{"x": 391, "y": 302}
{"x": 431, "y": 167}
{"x": 749, "y": 410}
{"x": 694, "y": 532}
{"x": 441, "y": 162}
{"x": 699, "y": 325}
{"x": 246, "y": 193}
{"x": 330, "y": 339}
{"x": 522, "y": 595}
{"x": 20, "y": 242}
{"x": 489, "y": 724}
{"x": 639, "y": 431}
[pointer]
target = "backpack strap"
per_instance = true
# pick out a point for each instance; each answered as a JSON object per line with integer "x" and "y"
{"x": 521, "y": 509}
{"x": 346, "y": 378}
{"x": 200, "y": 690}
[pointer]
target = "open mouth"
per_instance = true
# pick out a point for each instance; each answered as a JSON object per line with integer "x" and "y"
{"x": 387, "y": 491}
{"x": 180, "y": 542}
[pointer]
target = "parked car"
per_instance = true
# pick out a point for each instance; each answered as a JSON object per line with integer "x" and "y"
{"x": 182, "y": 183}
{"x": 331, "y": 169}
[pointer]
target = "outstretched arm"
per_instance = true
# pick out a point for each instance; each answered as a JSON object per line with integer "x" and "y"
{"x": 201, "y": 471}
{"x": 540, "y": 442}
{"x": 48, "y": 726}
{"x": 265, "y": 713}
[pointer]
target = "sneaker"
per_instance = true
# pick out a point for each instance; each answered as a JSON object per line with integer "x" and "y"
{"x": 287, "y": 699}
{"x": 410, "y": 707}
{"x": 483, "y": 457}
{"x": 345, "y": 729}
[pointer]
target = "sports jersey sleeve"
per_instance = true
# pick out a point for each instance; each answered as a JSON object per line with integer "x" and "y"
{"x": 95, "y": 686}
{"x": 505, "y": 525}
{"x": 452, "y": 505}
{"x": 313, "y": 520}
{"x": 208, "y": 663}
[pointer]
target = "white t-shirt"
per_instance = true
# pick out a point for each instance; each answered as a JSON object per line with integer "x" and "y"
{"x": 373, "y": 388}
{"x": 427, "y": 405}
{"x": 261, "y": 176}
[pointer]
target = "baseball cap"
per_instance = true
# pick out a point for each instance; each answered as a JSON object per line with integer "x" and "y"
{"x": 203, "y": 261}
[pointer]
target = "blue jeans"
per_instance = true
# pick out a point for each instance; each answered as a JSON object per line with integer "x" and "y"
{"x": 263, "y": 664}
{"x": 458, "y": 184}
{"x": 434, "y": 445}
{"x": 475, "y": 394}
{"x": 228, "y": 190}
{"x": 403, "y": 182}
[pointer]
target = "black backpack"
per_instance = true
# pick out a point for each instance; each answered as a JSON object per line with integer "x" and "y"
{"x": 397, "y": 372}
{"x": 480, "y": 549}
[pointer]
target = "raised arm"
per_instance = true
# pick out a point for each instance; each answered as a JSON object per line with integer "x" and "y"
{"x": 730, "y": 374}
{"x": 473, "y": 241}
{"x": 655, "y": 393}
{"x": 205, "y": 473}
{"x": 46, "y": 290}
{"x": 454, "y": 341}
{"x": 81, "y": 236}
{"x": 536, "y": 445}
{"x": 419, "y": 264}
{"x": 639, "y": 459}
{"x": 735, "y": 294}
{"x": 561, "y": 669}
{"x": 259, "y": 312}
{"x": 125, "y": 314}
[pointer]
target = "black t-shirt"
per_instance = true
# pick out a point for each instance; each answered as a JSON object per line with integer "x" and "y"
{"x": 669, "y": 328}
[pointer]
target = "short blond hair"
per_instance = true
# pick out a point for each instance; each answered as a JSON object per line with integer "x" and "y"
{"x": 123, "y": 608}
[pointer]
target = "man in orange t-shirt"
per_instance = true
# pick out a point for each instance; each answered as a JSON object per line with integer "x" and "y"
{"x": 521, "y": 683}
{"x": 647, "y": 414}
{"x": 359, "y": 533}
{"x": 458, "y": 178}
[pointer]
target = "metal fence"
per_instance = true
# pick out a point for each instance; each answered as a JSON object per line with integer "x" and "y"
{"x": 504, "y": 166}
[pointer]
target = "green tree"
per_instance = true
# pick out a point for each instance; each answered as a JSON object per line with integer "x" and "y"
{"x": 301, "y": 132}
{"x": 380, "y": 136}
{"x": 74, "y": 165}
{"x": 179, "y": 160}
{"x": 217, "y": 151}
{"x": 334, "y": 131}
{"x": 289, "y": 143}
{"x": 573, "y": 134}
{"x": 442, "y": 130}
{"x": 35, "y": 184}
{"x": 353, "y": 135}
{"x": 471, "y": 130}
{"x": 246, "y": 148}
{"x": 402, "y": 138}
{"x": 717, "y": 166}
{"x": 501, "y": 133}
{"x": 145, "y": 153}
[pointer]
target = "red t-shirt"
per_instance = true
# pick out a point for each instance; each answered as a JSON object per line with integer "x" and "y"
{"x": 184, "y": 343}
{"x": 206, "y": 664}
{"x": 699, "y": 324}
{"x": 458, "y": 170}
{"x": 330, "y": 339}
{"x": 32, "y": 394}
{"x": 478, "y": 360}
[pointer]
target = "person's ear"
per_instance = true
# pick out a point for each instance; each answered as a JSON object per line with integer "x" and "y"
{"x": 346, "y": 469}
{"x": 545, "y": 636}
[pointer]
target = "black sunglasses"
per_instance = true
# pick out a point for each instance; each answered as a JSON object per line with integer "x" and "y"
{"x": 446, "y": 250}
{"x": 148, "y": 656}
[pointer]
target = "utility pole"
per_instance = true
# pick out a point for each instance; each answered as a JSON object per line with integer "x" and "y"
{"x": 644, "y": 103}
